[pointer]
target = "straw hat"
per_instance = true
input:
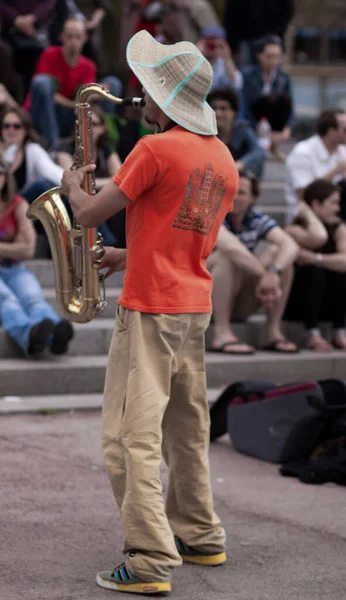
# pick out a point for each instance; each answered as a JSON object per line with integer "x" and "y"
{"x": 177, "y": 77}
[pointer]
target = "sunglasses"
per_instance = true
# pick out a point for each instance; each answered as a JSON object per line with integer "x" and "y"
{"x": 12, "y": 126}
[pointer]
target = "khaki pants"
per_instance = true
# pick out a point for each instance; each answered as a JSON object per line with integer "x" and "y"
{"x": 155, "y": 400}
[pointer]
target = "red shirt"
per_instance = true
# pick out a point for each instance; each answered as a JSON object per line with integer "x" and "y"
{"x": 68, "y": 79}
{"x": 8, "y": 222}
{"x": 180, "y": 186}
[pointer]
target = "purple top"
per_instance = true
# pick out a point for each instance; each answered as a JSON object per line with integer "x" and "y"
{"x": 42, "y": 9}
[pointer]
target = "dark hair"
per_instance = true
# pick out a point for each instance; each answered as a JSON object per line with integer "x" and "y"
{"x": 248, "y": 174}
{"x": 8, "y": 192}
{"x": 327, "y": 120}
{"x": 320, "y": 190}
{"x": 268, "y": 40}
{"x": 30, "y": 134}
{"x": 228, "y": 95}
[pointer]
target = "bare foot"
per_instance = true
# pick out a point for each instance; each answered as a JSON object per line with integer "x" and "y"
{"x": 318, "y": 344}
{"x": 340, "y": 341}
{"x": 232, "y": 346}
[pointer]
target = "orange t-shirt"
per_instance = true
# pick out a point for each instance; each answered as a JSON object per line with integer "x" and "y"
{"x": 180, "y": 186}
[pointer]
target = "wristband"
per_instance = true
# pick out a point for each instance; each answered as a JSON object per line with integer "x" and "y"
{"x": 275, "y": 269}
{"x": 319, "y": 259}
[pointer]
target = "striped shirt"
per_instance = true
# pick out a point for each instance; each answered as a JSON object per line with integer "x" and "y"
{"x": 254, "y": 228}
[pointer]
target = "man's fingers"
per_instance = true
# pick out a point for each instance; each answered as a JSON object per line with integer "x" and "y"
{"x": 88, "y": 168}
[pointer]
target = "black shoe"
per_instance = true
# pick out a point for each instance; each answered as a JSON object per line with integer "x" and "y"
{"x": 62, "y": 335}
{"x": 39, "y": 337}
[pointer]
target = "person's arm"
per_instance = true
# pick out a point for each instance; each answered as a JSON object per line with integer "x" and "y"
{"x": 23, "y": 247}
{"x": 339, "y": 170}
{"x": 229, "y": 244}
{"x": 287, "y": 248}
{"x": 96, "y": 18}
{"x": 332, "y": 262}
{"x": 43, "y": 11}
{"x": 6, "y": 98}
{"x": 44, "y": 166}
{"x": 113, "y": 166}
{"x": 291, "y": 116}
{"x": 314, "y": 234}
{"x": 64, "y": 160}
{"x": 139, "y": 173}
{"x": 254, "y": 157}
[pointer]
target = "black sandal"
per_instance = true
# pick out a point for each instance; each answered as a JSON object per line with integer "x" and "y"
{"x": 274, "y": 346}
{"x": 222, "y": 349}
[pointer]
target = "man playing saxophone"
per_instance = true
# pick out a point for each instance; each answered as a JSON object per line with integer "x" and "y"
{"x": 177, "y": 187}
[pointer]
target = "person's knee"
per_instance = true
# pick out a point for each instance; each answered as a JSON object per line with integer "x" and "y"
{"x": 43, "y": 85}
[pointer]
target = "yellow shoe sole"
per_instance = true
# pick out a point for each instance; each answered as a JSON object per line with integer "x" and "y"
{"x": 208, "y": 561}
{"x": 136, "y": 588}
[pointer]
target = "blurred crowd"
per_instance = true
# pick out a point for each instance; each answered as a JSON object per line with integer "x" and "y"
{"x": 49, "y": 48}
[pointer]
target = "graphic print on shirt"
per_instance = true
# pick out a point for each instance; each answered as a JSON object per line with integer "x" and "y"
{"x": 203, "y": 197}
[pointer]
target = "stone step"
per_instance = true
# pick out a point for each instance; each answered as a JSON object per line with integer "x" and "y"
{"x": 93, "y": 339}
{"x": 276, "y": 212}
{"x": 10, "y": 405}
{"x": 43, "y": 269}
{"x": 86, "y": 374}
{"x": 274, "y": 171}
{"x": 272, "y": 193}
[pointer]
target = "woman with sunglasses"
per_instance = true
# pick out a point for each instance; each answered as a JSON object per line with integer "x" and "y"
{"x": 32, "y": 167}
{"x": 24, "y": 313}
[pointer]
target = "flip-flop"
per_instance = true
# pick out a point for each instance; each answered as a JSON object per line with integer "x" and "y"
{"x": 221, "y": 349}
{"x": 274, "y": 347}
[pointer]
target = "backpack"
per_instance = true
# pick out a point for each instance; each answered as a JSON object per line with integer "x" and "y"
{"x": 280, "y": 423}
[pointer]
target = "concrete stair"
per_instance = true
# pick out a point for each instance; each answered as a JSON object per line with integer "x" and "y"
{"x": 75, "y": 381}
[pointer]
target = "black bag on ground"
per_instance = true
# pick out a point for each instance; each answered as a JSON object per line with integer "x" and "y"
{"x": 278, "y": 423}
{"x": 239, "y": 389}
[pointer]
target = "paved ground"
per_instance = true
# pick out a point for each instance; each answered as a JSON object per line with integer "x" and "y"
{"x": 59, "y": 524}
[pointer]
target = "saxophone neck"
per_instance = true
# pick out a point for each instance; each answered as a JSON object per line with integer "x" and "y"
{"x": 95, "y": 89}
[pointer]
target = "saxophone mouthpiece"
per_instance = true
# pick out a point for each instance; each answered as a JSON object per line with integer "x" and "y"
{"x": 135, "y": 102}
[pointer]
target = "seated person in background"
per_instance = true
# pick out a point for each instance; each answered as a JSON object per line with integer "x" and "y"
{"x": 32, "y": 167}
{"x": 10, "y": 88}
{"x": 24, "y": 25}
{"x": 244, "y": 277}
{"x": 213, "y": 45}
{"x": 60, "y": 71}
{"x": 107, "y": 161}
{"x": 24, "y": 313}
{"x": 267, "y": 92}
{"x": 322, "y": 156}
{"x": 319, "y": 288}
{"x": 130, "y": 131}
{"x": 236, "y": 134}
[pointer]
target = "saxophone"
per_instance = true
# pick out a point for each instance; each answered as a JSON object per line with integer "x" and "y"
{"x": 79, "y": 288}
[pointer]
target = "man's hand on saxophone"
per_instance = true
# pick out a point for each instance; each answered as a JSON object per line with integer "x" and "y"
{"x": 114, "y": 259}
{"x": 92, "y": 211}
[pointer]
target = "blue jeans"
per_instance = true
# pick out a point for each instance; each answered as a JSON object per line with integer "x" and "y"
{"x": 54, "y": 122}
{"x": 22, "y": 304}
